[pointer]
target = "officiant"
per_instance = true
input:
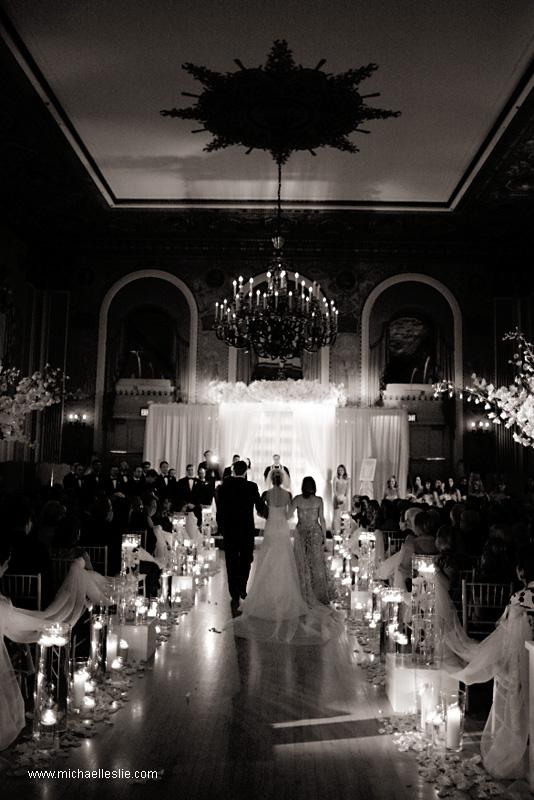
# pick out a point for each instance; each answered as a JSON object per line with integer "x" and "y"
{"x": 276, "y": 466}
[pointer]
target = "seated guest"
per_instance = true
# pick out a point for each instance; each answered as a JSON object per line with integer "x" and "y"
{"x": 163, "y": 515}
{"x": 124, "y": 469}
{"x": 228, "y": 471}
{"x": 151, "y": 482}
{"x": 137, "y": 482}
{"x": 205, "y": 489}
{"x": 448, "y": 562}
{"x": 497, "y": 563}
{"x": 421, "y": 542}
{"x": 187, "y": 492}
{"x": 143, "y": 521}
{"x": 392, "y": 489}
{"x": 66, "y": 543}
{"x": 29, "y": 556}
{"x": 93, "y": 481}
{"x": 211, "y": 465}
{"x": 51, "y": 514}
{"x": 146, "y": 465}
{"x": 164, "y": 484}
{"x": 96, "y": 522}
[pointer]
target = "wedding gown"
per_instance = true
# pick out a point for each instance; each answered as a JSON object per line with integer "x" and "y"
{"x": 274, "y": 610}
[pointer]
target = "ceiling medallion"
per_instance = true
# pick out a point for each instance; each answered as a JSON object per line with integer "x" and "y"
{"x": 281, "y": 107}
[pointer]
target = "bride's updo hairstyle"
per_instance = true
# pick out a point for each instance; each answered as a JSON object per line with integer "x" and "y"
{"x": 308, "y": 487}
{"x": 276, "y": 478}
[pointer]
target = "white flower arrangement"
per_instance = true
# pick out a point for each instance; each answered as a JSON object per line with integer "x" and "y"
{"x": 301, "y": 391}
{"x": 511, "y": 406}
{"x": 21, "y": 395}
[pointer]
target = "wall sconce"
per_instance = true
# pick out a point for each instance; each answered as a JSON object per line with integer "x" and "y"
{"x": 480, "y": 426}
{"x": 74, "y": 418}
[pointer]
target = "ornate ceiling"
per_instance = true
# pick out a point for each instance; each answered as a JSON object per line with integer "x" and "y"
{"x": 457, "y": 70}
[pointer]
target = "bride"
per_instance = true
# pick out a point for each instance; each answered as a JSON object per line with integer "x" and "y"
{"x": 274, "y": 609}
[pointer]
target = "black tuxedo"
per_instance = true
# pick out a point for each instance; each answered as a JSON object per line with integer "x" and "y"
{"x": 236, "y": 499}
{"x": 228, "y": 473}
{"x": 206, "y": 492}
{"x": 187, "y": 491}
{"x": 166, "y": 486}
{"x": 114, "y": 485}
{"x": 213, "y": 471}
{"x": 136, "y": 487}
{"x": 73, "y": 483}
{"x": 93, "y": 484}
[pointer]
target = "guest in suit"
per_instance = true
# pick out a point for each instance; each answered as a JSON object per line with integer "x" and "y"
{"x": 165, "y": 484}
{"x": 113, "y": 484}
{"x": 73, "y": 480}
{"x": 228, "y": 471}
{"x": 206, "y": 490}
{"x": 236, "y": 500}
{"x": 163, "y": 515}
{"x": 211, "y": 465}
{"x": 93, "y": 481}
{"x": 187, "y": 492}
{"x": 276, "y": 466}
{"x": 146, "y": 466}
{"x": 137, "y": 483}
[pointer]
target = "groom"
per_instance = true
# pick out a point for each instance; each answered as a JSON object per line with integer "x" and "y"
{"x": 236, "y": 499}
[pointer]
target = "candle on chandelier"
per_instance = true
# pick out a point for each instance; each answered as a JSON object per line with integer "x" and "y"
{"x": 276, "y": 299}
{"x": 240, "y": 283}
{"x": 290, "y": 295}
{"x": 216, "y": 310}
{"x": 264, "y": 300}
{"x": 258, "y": 297}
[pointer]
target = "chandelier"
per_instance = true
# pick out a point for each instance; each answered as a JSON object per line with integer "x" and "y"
{"x": 286, "y": 318}
{"x": 280, "y": 107}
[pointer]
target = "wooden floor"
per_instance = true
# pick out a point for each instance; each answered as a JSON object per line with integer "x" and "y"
{"x": 229, "y": 718}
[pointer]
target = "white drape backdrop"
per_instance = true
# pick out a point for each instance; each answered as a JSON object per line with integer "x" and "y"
{"x": 312, "y": 439}
{"x": 179, "y": 433}
{"x": 373, "y": 433}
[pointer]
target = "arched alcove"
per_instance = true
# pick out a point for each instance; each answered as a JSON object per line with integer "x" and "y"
{"x": 444, "y": 297}
{"x": 413, "y": 305}
{"x": 120, "y": 300}
{"x": 323, "y": 357}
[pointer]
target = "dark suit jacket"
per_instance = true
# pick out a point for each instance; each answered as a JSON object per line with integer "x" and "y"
{"x": 227, "y": 472}
{"x": 136, "y": 487}
{"x": 236, "y": 499}
{"x": 166, "y": 488}
{"x": 205, "y": 491}
{"x": 186, "y": 495}
{"x": 72, "y": 483}
{"x": 213, "y": 472}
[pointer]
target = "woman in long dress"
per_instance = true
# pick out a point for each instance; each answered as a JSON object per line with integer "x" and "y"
{"x": 340, "y": 496}
{"x": 310, "y": 537}
{"x": 274, "y": 609}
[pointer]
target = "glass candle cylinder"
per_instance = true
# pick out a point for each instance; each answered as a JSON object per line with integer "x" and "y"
{"x": 98, "y": 636}
{"x": 131, "y": 542}
{"x": 454, "y": 711}
{"x": 52, "y": 684}
{"x": 428, "y": 698}
{"x": 112, "y": 647}
{"x": 424, "y": 618}
{"x": 123, "y": 651}
{"x": 80, "y": 676}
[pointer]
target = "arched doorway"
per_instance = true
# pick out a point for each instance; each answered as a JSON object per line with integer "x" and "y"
{"x": 120, "y": 357}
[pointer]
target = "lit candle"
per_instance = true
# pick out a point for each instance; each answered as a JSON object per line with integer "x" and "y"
{"x": 88, "y": 704}
{"x": 258, "y": 297}
{"x": 454, "y": 727}
{"x": 264, "y": 300}
{"x": 276, "y": 299}
{"x": 123, "y": 650}
{"x": 78, "y": 687}
{"x": 49, "y": 717}
{"x": 216, "y": 310}
{"x": 116, "y": 664}
{"x": 112, "y": 646}
{"x": 290, "y": 301}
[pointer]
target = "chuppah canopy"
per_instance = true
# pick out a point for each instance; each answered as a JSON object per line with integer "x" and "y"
{"x": 302, "y": 421}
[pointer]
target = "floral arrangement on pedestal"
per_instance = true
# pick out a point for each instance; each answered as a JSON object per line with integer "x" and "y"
{"x": 20, "y": 395}
{"x": 511, "y": 406}
{"x": 300, "y": 391}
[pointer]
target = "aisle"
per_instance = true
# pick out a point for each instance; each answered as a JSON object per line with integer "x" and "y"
{"x": 228, "y": 718}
